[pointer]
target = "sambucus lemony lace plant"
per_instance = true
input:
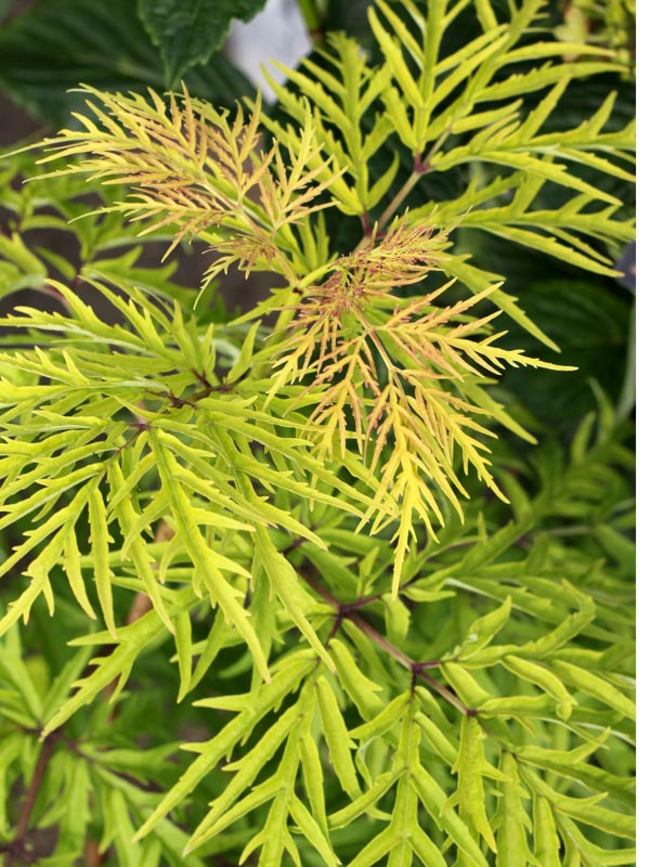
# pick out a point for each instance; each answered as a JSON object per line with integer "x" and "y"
{"x": 272, "y": 488}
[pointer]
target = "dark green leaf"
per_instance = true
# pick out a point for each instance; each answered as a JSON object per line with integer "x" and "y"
{"x": 190, "y": 32}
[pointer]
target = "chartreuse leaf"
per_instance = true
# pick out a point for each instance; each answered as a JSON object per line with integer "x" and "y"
{"x": 128, "y": 518}
{"x": 470, "y": 768}
{"x": 546, "y": 680}
{"x": 584, "y": 810}
{"x": 14, "y": 671}
{"x": 243, "y": 362}
{"x": 247, "y": 771}
{"x": 360, "y": 688}
{"x": 577, "y": 845}
{"x": 392, "y": 713}
{"x": 208, "y": 564}
{"x": 72, "y": 559}
{"x": 129, "y": 852}
{"x": 467, "y": 687}
{"x": 129, "y": 642}
{"x": 183, "y": 640}
{"x": 284, "y": 582}
{"x": 595, "y": 686}
{"x": 513, "y": 821}
{"x": 255, "y": 707}
{"x": 312, "y": 832}
{"x": 483, "y": 630}
{"x": 312, "y": 775}
{"x": 364, "y": 802}
{"x": 337, "y": 737}
{"x": 292, "y": 729}
{"x": 404, "y": 838}
{"x": 573, "y": 625}
{"x": 22, "y": 605}
{"x": 436, "y": 803}
{"x": 58, "y": 529}
{"x": 218, "y": 638}
{"x": 547, "y": 842}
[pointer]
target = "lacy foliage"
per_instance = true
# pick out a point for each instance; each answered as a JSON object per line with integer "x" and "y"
{"x": 369, "y": 359}
{"x": 423, "y": 646}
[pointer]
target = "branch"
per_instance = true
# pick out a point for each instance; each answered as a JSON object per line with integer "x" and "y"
{"x": 47, "y": 751}
{"x": 93, "y": 857}
{"x": 16, "y": 849}
{"x": 418, "y": 669}
{"x": 420, "y": 167}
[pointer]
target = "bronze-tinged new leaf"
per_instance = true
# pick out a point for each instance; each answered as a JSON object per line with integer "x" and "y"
{"x": 402, "y": 379}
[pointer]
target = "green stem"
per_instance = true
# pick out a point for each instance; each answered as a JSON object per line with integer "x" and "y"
{"x": 418, "y": 669}
{"x": 312, "y": 17}
{"x": 420, "y": 167}
{"x": 399, "y": 198}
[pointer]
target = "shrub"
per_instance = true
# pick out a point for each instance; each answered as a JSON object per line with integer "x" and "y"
{"x": 390, "y": 641}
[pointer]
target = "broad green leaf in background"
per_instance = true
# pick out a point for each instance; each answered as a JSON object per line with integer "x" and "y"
{"x": 55, "y": 45}
{"x": 590, "y": 321}
{"x": 188, "y": 33}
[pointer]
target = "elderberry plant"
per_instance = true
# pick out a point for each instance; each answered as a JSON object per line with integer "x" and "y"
{"x": 395, "y": 638}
